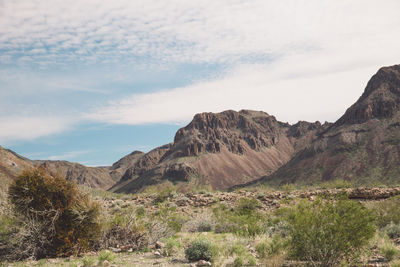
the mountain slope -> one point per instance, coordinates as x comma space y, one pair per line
221, 150
12, 164
363, 145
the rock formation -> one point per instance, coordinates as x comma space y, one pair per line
363, 145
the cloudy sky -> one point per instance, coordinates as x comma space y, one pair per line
90, 81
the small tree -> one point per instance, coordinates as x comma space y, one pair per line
325, 232
56, 218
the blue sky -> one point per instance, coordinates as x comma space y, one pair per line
90, 81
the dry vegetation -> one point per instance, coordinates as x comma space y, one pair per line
169, 228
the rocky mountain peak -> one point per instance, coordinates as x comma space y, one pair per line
381, 98
208, 132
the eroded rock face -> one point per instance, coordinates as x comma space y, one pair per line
221, 150
208, 132
381, 98
363, 145
146, 162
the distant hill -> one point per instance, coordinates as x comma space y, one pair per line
12, 164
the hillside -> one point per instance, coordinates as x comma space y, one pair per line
227, 149
12, 164
221, 150
363, 145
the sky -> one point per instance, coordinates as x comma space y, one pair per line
91, 81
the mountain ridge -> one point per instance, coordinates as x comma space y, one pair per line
232, 148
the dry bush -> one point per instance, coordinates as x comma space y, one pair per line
53, 218
132, 229
201, 222
124, 229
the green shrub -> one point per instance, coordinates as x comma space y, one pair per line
242, 220
392, 230
388, 250
106, 255
162, 191
57, 219
170, 217
337, 184
200, 249
205, 226
172, 246
88, 261
238, 262
246, 206
270, 247
327, 232
395, 263
387, 211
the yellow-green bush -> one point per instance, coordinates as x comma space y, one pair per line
55, 217
328, 231
242, 220
387, 211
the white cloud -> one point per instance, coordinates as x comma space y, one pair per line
70, 155
291, 90
296, 59
195, 31
29, 128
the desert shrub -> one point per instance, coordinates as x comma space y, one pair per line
337, 184
389, 250
243, 220
270, 247
238, 262
392, 230
200, 249
168, 215
140, 211
172, 245
246, 206
106, 255
88, 261
162, 191
125, 228
55, 218
201, 222
388, 211
325, 232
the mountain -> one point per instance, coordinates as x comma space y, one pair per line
221, 150
363, 145
12, 164
232, 148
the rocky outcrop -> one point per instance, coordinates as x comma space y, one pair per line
363, 145
381, 98
221, 150
209, 132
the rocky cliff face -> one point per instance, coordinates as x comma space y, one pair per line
221, 149
363, 145
237, 131
380, 100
